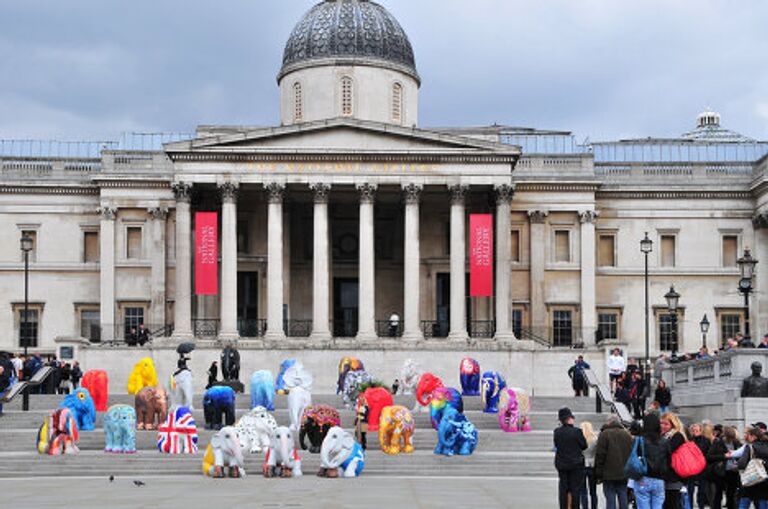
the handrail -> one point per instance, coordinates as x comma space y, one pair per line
37, 379
603, 395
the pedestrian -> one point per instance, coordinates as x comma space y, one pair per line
659, 366
589, 488
132, 338
76, 375
18, 365
649, 489
213, 375
614, 445
569, 459
578, 377
757, 447
52, 385
394, 324
674, 432
725, 468
361, 422
6, 376
663, 395
66, 375
632, 366
142, 335
637, 394
395, 386
698, 482
616, 366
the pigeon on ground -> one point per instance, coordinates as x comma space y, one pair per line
138, 483
111, 478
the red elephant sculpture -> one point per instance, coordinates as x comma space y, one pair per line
427, 385
376, 398
97, 383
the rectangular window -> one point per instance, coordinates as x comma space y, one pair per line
607, 326
134, 316
562, 246
90, 247
515, 245
730, 325
32, 234
730, 250
28, 327
669, 326
562, 328
667, 251
606, 245
133, 243
243, 241
90, 324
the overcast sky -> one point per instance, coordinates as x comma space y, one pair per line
605, 69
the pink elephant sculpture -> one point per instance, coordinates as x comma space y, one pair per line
514, 410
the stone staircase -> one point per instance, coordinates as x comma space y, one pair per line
498, 454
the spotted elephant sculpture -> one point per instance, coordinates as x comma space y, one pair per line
341, 452
120, 429
97, 383
492, 385
219, 407
58, 433
442, 398
262, 390
469, 374
315, 423
455, 434
514, 410
143, 375
83, 410
224, 452
396, 430
255, 429
151, 405
352, 383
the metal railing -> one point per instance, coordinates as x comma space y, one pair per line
116, 334
435, 328
251, 328
481, 328
385, 329
205, 327
559, 337
297, 328
344, 328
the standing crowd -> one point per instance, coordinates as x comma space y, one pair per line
64, 378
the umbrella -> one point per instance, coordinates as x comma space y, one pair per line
185, 348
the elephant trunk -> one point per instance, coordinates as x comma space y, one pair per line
286, 450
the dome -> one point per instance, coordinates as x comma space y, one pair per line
348, 32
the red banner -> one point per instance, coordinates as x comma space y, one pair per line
206, 253
480, 255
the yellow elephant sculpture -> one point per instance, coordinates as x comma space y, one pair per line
143, 375
396, 427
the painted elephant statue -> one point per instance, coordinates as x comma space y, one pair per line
492, 385
219, 407
282, 459
298, 399
298, 376
151, 407
97, 383
514, 409
230, 363
81, 405
396, 430
315, 423
181, 389
178, 433
263, 390
224, 452
352, 383
427, 384
375, 398
143, 375
346, 365
280, 387
58, 433
410, 374
120, 429
255, 429
456, 434
469, 374
341, 451
442, 398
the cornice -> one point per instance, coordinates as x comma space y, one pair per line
241, 157
557, 187
674, 195
151, 184
50, 189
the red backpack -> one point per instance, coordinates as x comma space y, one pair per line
688, 460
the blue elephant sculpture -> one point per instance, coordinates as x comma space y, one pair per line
120, 429
443, 397
469, 375
83, 409
492, 385
219, 407
456, 434
280, 387
262, 390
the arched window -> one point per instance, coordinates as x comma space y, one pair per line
397, 103
346, 96
298, 103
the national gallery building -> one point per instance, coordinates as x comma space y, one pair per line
350, 211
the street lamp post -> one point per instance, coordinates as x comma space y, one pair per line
747, 270
646, 246
704, 324
673, 298
26, 247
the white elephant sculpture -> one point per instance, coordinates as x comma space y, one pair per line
298, 399
181, 389
298, 376
255, 429
282, 459
341, 451
224, 451
410, 374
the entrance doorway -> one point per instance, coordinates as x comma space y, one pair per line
345, 306
248, 304
443, 299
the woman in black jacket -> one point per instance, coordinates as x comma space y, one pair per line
663, 396
757, 447
649, 490
723, 470
672, 429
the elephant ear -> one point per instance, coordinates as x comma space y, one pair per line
216, 441
347, 444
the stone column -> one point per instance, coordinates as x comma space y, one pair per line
157, 276
588, 311
320, 265
412, 261
458, 265
503, 257
182, 308
367, 266
275, 194
107, 273
538, 220
759, 308
228, 298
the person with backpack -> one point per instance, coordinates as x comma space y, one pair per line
756, 448
569, 459
656, 455
614, 445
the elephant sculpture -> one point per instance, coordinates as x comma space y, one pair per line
492, 385
81, 405
178, 433
151, 407
181, 386
410, 374
298, 399
280, 387
427, 384
469, 374
315, 423
224, 452
143, 375
282, 459
442, 398
375, 398
456, 434
230, 363
58, 433
297, 376
352, 383
97, 383
514, 408
120, 429
255, 429
341, 451
219, 407
347, 365
396, 433
262, 390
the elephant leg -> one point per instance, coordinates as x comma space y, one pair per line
230, 412
351, 470
407, 442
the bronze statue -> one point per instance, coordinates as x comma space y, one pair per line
755, 386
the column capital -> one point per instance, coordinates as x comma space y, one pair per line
412, 193
275, 192
367, 192
458, 193
182, 191
760, 220
158, 213
504, 193
228, 191
588, 216
321, 192
538, 216
107, 213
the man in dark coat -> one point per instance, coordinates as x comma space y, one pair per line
578, 377
614, 445
569, 458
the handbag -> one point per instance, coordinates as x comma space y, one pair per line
636, 466
688, 461
755, 472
